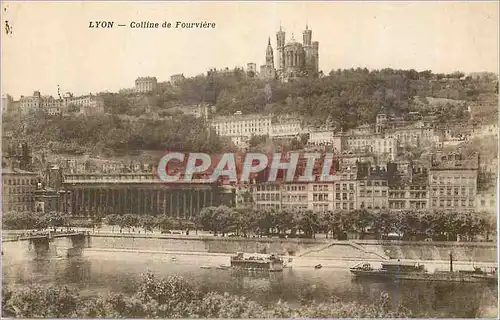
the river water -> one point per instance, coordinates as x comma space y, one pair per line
101, 272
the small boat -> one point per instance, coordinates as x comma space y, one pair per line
174, 258
318, 266
206, 267
222, 267
255, 262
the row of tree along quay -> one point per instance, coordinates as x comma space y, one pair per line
250, 222
175, 297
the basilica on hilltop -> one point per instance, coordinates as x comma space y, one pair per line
294, 59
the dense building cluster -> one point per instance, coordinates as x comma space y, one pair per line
65, 104
394, 163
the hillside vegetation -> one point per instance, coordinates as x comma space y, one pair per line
346, 98
111, 135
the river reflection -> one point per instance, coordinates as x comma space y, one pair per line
101, 272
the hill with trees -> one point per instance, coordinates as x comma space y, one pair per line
112, 135
350, 97
347, 98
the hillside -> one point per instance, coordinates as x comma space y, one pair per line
110, 135
348, 97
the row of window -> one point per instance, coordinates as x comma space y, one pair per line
268, 187
231, 132
20, 181
295, 198
374, 183
320, 196
18, 208
411, 188
402, 194
267, 197
376, 193
295, 188
12, 199
449, 203
18, 190
456, 179
323, 187
244, 124
344, 186
402, 204
345, 196
455, 191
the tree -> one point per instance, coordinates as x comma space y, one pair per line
309, 223
164, 222
97, 220
112, 220
147, 222
363, 220
224, 219
207, 219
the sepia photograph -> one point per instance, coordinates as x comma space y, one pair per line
238, 159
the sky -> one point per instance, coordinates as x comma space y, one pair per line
51, 43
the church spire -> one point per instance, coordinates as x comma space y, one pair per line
269, 41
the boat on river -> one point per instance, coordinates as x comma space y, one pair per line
416, 271
271, 263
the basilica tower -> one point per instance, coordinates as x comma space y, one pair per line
280, 47
269, 54
267, 70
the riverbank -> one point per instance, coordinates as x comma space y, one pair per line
216, 259
318, 249
311, 249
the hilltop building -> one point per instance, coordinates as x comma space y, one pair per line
177, 78
294, 59
145, 84
251, 69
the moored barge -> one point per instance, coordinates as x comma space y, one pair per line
271, 263
416, 271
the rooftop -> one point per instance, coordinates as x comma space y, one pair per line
16, 171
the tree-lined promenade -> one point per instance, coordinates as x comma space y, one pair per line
245, 222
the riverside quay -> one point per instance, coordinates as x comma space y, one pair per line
141, 193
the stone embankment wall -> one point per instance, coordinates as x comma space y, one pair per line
206, 244
462, 251
320, 248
